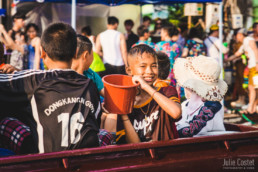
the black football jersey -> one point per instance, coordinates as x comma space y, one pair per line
64, 105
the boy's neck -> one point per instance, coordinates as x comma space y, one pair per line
142, 98
142, 38
59, 65
80, 69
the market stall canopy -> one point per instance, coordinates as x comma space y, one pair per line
121, 2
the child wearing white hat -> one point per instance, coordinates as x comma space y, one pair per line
202, 112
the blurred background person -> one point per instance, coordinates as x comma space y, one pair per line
238, 91
249, 48
213, 43
34, 60
156, 34
97, 64
111, 45
146, 21
194, 45
144, 35
130, 37
182, 35
255, 33
15, 33
171, 48
19, 47
86, 31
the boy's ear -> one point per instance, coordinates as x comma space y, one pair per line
85, 55
128, 70
43, 53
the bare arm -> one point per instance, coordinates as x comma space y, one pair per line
185, 52
130, 133
36, 45
236, 55
169, 106
123, 48
102, 92
98, 47
9, 41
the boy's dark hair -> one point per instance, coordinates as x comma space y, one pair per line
140, 49
195, 33
163, 65
83, 44
236, 31
112, 20
86, 30
146, 18
129, 22
32, 25
18, 15
171, 29
59, 42
141, 31
255, 24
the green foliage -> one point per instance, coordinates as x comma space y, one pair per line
176, 14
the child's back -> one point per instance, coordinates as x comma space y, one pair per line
65, 105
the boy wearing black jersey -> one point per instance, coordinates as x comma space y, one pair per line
65, 108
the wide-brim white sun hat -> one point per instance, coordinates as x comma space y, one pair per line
201, 75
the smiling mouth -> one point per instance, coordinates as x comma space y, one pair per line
148, 79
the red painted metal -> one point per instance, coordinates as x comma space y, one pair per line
188, 154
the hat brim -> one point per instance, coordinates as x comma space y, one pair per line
207, 90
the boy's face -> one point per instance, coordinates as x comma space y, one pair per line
163, 34
146, 35
145, 65
239, 37
255, 29
83, 61
128, 27
19, 22
32, 33
147, 23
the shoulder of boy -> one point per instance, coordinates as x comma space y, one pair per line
169, 91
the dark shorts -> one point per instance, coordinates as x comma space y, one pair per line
111, 69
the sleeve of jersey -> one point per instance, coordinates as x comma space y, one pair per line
206, 113
95, 99
171, 93
19, 87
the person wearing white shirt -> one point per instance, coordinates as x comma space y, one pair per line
213, 43
111, 46
250, 50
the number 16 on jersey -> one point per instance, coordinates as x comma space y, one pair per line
76, 125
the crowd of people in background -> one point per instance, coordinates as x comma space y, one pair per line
170, 63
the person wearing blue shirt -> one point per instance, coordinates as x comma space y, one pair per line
83, 61
95, 77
